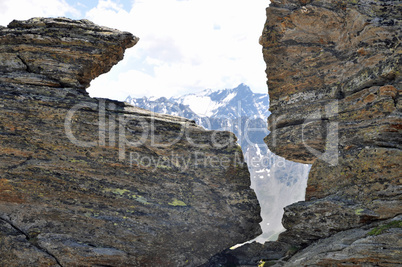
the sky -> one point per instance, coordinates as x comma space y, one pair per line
185, 46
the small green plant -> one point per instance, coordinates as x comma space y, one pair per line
382, 228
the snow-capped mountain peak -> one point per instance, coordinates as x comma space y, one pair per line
227, 103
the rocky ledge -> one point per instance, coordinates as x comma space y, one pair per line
334, 77
95, 182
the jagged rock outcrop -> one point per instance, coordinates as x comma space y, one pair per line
94, 182
59, 52
334, 78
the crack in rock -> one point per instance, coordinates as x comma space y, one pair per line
35, 244
28, 68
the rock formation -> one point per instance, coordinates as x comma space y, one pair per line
334, 78
94, 182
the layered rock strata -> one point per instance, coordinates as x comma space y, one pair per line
334, 78
94, 182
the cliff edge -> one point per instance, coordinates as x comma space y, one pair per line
334, 78
95, 182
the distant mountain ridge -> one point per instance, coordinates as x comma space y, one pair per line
227, 103
277, 182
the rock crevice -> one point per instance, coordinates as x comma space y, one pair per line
29, 241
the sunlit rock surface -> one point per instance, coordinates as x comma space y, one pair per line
334, 77
92, 182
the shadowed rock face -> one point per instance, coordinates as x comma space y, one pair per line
87, 182
334, 77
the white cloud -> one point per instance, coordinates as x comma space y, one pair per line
26, 9
109, 13
123, 85
185, 46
